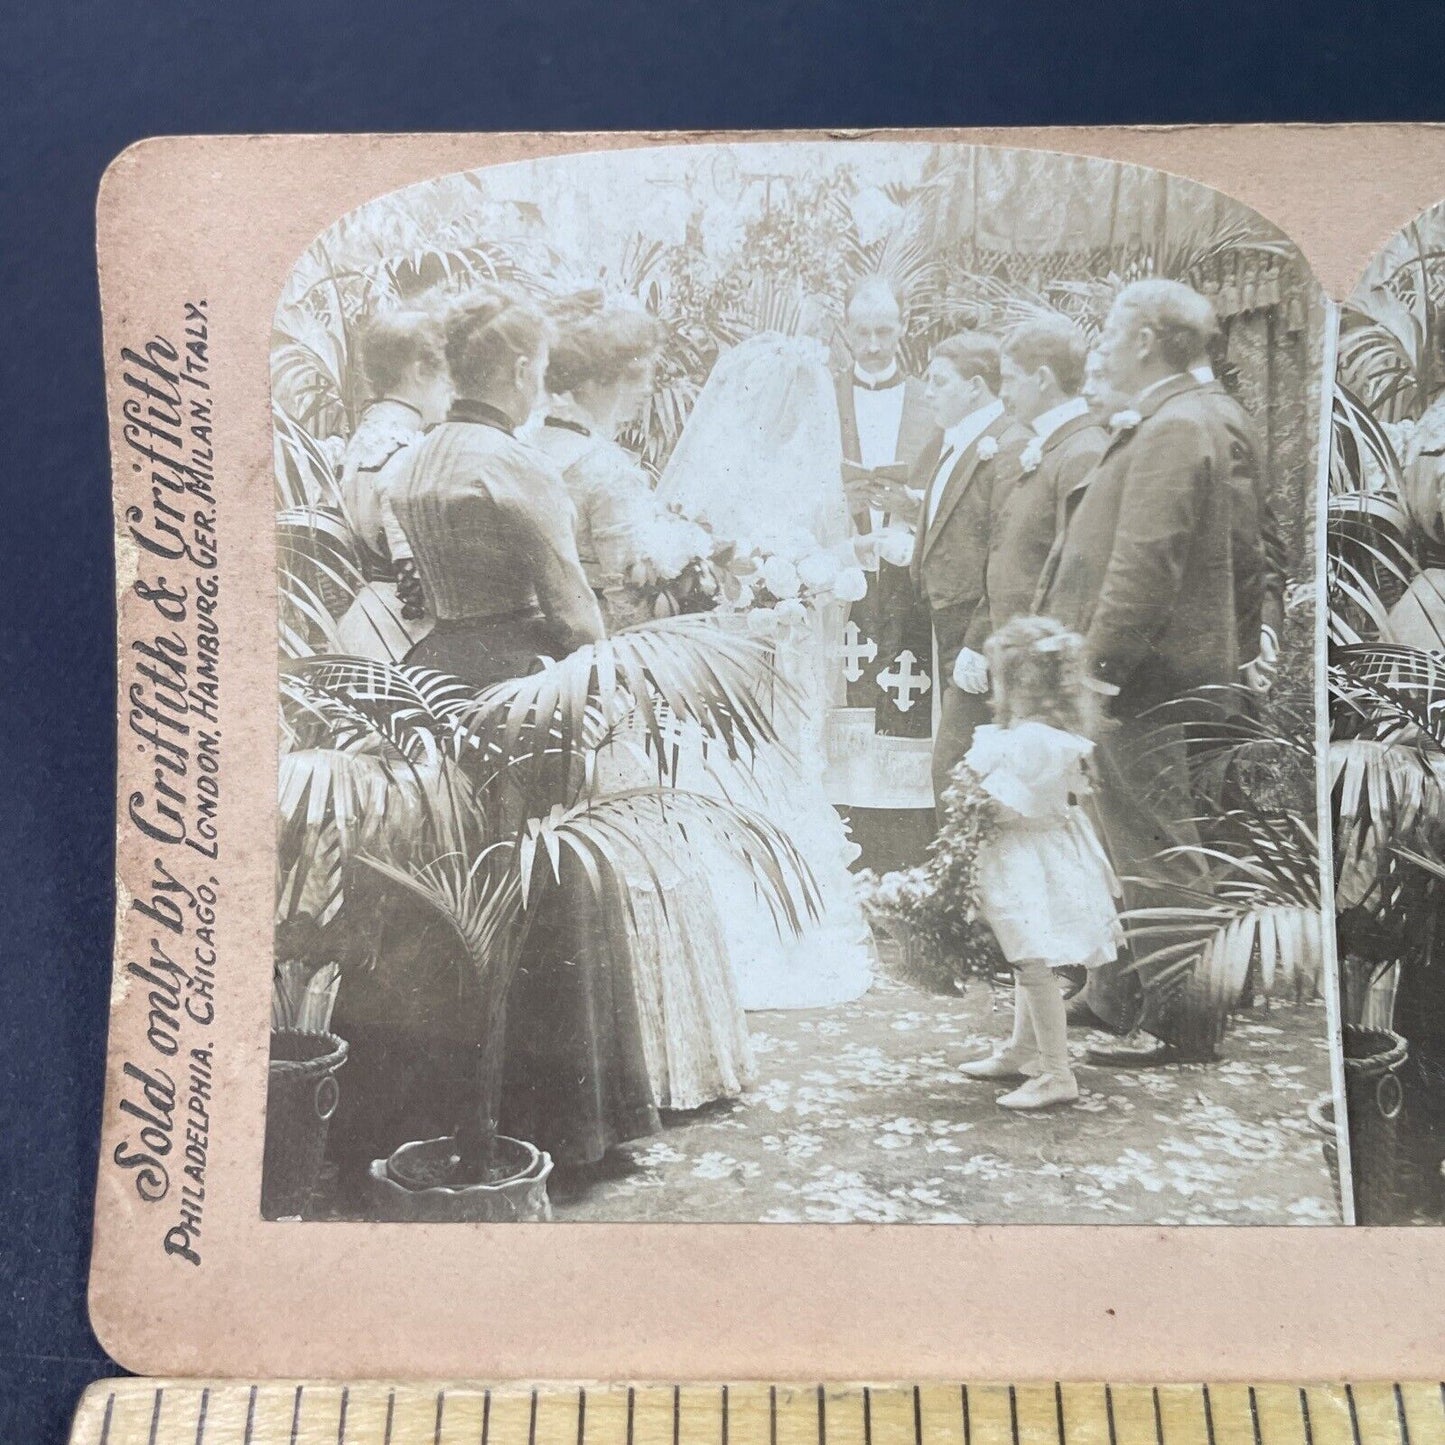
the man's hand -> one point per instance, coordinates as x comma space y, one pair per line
970, 672
901, 502
1260, 674
860, 492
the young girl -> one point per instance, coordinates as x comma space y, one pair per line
1045, 886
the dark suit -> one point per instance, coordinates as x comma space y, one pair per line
1031, 520
949, 569
1260, 560
1145, 571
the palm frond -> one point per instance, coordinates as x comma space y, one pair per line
1261, 910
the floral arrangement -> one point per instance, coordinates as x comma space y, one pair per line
932, 909
778, 578
673, 571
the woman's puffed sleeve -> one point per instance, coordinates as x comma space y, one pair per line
619, 503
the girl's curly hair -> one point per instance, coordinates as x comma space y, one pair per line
1038, 672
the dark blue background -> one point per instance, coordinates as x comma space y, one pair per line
79, 81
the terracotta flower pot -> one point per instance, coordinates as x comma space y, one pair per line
398, 1192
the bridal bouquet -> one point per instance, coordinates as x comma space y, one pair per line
673, 569
932, 909
780, 577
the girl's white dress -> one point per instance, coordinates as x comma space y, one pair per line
1045, 884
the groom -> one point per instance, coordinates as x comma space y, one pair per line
967, 476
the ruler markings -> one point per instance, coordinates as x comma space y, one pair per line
241, 1413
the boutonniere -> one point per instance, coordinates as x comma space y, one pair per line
1123, 421
988, 449
1032, 455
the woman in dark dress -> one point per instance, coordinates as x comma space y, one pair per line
491, 530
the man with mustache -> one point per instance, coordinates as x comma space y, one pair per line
1145, 571
878, 743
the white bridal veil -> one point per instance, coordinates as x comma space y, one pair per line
762, 451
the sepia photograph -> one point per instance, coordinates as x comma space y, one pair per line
800, 699
1387, 685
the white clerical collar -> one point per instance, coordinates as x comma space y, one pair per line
1048, 422
1155, 385
962, 435
1202, 374
875, 381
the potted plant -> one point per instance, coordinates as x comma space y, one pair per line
485, 799
1387, 755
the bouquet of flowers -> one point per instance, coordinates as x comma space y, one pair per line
673, 571
933, 909
778, 578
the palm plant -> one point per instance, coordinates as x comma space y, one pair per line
1387, 752
474, 805
1255, 912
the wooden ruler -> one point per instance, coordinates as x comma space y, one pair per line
229, 1412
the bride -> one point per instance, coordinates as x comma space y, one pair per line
760, 463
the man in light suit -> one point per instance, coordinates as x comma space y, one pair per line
1145, 572
878, 741
966, 477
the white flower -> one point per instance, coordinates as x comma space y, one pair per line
987, 449
780, 577
1125, 420
672, 544
792, 613
762, 621
850, 585
817, 570
1032, 455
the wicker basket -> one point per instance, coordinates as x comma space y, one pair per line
1374, 1099
301, 1097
